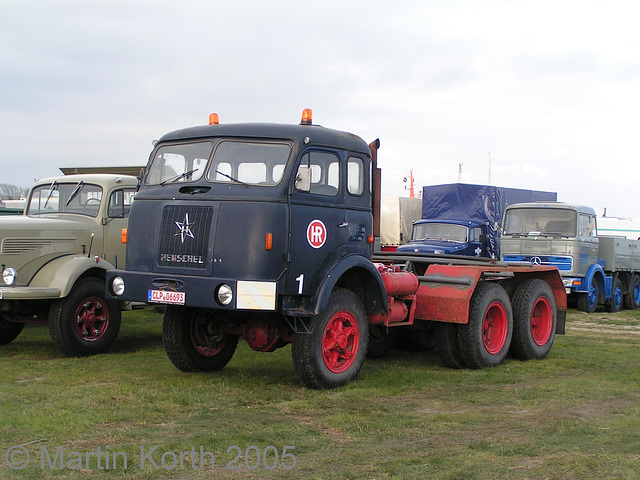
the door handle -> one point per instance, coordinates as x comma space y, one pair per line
343, 224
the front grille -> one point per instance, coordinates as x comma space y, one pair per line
21, 246
564, 264
184, 236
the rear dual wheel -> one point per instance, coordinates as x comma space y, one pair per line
632, 299
614, 304
534, 320
484, 341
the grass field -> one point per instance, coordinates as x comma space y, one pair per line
574, 415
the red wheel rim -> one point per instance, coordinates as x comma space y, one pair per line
494, 328
541, 321
340, 342
206, 339
92, 319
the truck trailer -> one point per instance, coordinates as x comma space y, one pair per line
266, 232
595, 269
465, 219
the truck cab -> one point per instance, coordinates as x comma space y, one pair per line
248, 216
54, 259
566, 236
448, 237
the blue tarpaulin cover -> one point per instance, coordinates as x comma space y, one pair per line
476, 203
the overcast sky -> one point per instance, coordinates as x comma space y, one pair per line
549, 91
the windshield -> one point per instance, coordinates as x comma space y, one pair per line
76, 197
234, 161
540, 221
440, 231
183, 162
249, 162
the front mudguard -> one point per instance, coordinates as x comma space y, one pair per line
63, 272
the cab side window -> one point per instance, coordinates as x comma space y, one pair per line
120, 203
587, 226
325, 172
355, 176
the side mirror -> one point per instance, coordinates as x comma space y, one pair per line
303, 179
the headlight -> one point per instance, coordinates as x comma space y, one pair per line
9, 275
224, 294
117, 286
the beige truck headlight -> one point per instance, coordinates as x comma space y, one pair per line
9, 276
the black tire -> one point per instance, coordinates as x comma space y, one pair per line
614, 304
195, 341
587, 302
342, 327
9, 331
381, 340
84, 322
448, 346
485, 339
632, 299
534, 320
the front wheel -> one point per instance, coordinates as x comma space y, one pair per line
485, 339
84, 322
195, 340
333, 353
587, 302
534, 320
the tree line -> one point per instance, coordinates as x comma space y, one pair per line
12, 192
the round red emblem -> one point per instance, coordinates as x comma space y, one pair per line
316, 233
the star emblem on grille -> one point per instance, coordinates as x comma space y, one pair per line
184, 228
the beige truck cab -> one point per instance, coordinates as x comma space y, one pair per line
54, 258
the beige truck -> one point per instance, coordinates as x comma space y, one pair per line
54, 258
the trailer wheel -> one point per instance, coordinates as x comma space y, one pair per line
632, 299
84, 322
333, 354
195, 341
485, 339
534, 320
615, 303
9, 331
587, 302
448, 345
381, 340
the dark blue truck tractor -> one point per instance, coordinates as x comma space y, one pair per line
266, 232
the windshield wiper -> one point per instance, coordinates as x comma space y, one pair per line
49, 193
231, 178
75, 192
179, 177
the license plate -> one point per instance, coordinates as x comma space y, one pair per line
164, 296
